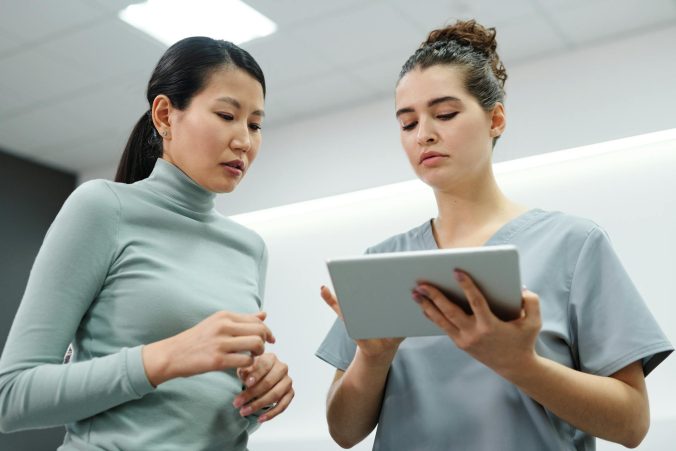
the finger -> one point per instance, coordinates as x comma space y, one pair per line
264, 385
263, 365
237, 329
253, 344
233, 360
279, 408
272, 396
432, 313
331, 300
475, 297
450, 310
531, 307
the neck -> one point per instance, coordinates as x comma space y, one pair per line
470, 214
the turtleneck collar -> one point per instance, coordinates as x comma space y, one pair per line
169, 181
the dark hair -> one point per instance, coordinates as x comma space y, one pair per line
471, 47
181, 73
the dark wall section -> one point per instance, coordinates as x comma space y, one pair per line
30, 197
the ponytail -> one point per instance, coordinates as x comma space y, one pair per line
141, 152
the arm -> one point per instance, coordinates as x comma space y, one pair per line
36, 389
614, 408
355, 396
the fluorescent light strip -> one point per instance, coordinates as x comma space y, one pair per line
169, 21
519, 164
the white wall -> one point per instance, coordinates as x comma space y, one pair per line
630, 192
615, 89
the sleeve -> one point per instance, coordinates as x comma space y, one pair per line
36, 389
610, 324
262, 273
337, 349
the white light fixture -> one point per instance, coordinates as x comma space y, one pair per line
169, 21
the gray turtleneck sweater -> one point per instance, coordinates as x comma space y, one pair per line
122, 266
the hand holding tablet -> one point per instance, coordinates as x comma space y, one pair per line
374, 290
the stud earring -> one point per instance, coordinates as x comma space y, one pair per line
164, 133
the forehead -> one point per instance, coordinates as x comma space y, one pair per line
421, 85
235, 83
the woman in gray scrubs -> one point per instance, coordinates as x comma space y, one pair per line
570, 369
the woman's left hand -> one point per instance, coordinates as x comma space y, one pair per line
504, 346
267, 384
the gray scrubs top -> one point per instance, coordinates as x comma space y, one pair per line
437, 397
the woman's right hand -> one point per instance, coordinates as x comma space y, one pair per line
372, 348
221, 341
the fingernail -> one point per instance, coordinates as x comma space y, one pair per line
245, 411
238, 402
250, 381
262, 419
459, 276
416, 297
422, 291
524, 288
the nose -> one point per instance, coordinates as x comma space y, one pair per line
241, 139
426, 133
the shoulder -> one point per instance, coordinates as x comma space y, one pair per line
567, 226
244, 234
413, 239
95, 198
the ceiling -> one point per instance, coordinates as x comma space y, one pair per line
73, 76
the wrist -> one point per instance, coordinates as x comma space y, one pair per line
523, 369
156, 362
382, 360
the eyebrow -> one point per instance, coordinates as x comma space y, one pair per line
236, 104
431, 103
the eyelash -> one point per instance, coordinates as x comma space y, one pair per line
253, 126
443, 117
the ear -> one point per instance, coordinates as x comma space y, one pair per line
498, 120
161, 111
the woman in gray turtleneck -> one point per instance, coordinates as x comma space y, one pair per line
158, 293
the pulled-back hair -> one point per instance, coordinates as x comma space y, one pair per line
182, 72
470, 47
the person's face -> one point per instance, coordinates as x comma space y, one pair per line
446, 134
216, 138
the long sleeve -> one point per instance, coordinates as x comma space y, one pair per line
36, 388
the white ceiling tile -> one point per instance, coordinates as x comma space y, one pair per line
360, 34
32, 20
283, 62
44, 77
322, 94
289, 12
109, 49
604, 18
88, 152
113, 5
438, 13
526, 37
380, 75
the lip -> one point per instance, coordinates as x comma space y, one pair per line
431, 158
235, 167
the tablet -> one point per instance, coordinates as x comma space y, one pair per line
374, 290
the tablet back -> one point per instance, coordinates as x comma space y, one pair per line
374, 290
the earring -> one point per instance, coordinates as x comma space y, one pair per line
164, 133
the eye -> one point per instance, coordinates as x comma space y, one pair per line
409, 126
447, 117
255, 127
225, 116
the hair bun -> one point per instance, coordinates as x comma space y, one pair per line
472, 34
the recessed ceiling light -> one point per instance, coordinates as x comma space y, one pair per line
169, 21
